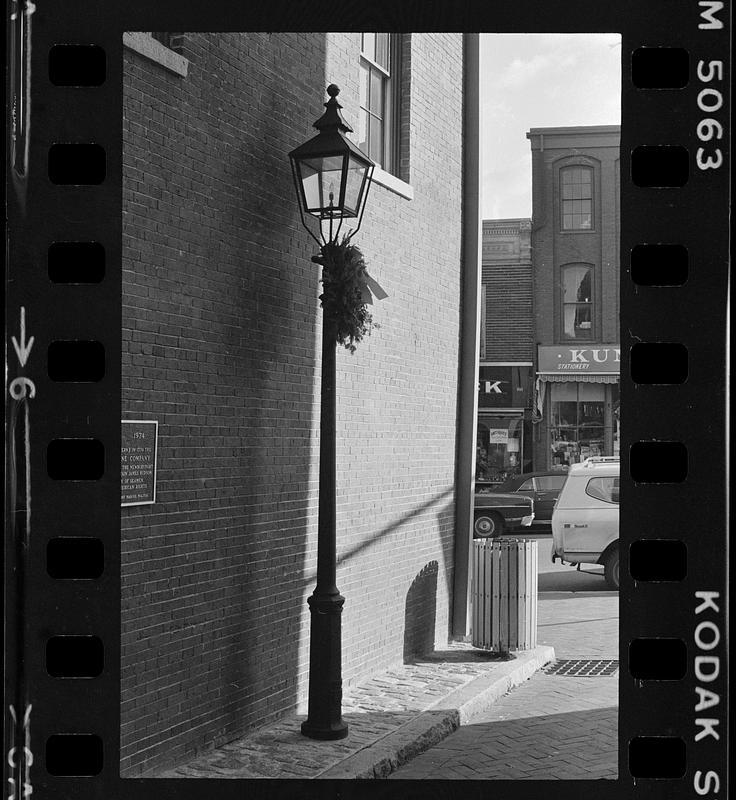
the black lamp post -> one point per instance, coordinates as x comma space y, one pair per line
332, 177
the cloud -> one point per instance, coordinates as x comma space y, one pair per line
533, 80
521, 71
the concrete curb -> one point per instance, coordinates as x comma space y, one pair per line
380, 759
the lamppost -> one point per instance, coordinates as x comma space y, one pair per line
332, 177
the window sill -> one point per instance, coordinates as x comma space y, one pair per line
148, 47
389, 181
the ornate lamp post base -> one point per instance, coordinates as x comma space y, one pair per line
324, 720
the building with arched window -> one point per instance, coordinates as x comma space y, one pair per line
575, 260
548, 389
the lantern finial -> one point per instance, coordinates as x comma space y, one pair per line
332, 118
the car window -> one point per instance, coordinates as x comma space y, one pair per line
605, 489
550, 483
526, 486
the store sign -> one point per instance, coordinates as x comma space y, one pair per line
600, 359
138, 453
503, 387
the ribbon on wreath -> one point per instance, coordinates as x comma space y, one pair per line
371, 287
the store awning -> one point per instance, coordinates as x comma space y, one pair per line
578, 378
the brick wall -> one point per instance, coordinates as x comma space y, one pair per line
221, 346
553, 149
508, 282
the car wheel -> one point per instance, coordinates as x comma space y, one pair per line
487, 526
610, 568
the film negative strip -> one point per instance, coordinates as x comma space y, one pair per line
157, 571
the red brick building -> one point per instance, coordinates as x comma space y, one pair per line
221, 348
551, 288
575, 242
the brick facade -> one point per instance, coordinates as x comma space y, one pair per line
554, 248
508, 287
522, 276
552, 150
221, 346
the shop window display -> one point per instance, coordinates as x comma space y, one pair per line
498, 451
578, 422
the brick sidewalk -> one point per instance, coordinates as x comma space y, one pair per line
553, 726
534, 730
391, 718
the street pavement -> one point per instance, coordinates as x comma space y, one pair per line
553, 726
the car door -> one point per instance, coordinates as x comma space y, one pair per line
594, 520
547, 489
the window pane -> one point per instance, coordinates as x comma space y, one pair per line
605, 489
576, 198
564, 413
364, 78
591, 392
369, 45
382, 50
363, 130
576, 283
375, 139
527, 486
376, 93
583, 324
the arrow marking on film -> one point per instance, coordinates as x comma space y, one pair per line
22, 350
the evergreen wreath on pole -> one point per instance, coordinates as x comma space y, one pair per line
345, 291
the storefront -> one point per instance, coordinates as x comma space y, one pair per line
577, 398
502, 449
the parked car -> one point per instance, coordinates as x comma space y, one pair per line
543, 487
496, 513
585, 518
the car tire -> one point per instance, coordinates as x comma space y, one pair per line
488, 526
610, 568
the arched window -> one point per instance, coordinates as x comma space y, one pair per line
576, 198
577, 301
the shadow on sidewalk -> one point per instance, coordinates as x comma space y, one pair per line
476, 656
574, 745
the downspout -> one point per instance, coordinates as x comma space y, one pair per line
469, 336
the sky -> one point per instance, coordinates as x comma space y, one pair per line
539, 81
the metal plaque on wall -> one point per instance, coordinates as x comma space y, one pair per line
138, 453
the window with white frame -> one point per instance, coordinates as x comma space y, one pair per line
378, 125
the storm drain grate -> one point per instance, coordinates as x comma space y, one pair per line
582, 668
